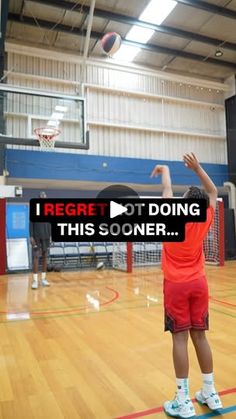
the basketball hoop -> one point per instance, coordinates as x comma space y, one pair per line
47, 137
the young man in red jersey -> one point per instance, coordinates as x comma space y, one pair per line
186, 296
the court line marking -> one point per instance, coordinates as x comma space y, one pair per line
217, 413
53, 316
76, 308
222, 302
205, 415
38, 313
223, 312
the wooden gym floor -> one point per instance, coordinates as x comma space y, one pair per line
92, 345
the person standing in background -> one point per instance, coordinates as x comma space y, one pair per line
40, 237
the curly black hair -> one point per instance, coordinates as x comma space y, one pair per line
196, 193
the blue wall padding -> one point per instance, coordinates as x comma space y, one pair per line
67, 166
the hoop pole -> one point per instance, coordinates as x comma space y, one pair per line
3, 251
221, 234
129, 257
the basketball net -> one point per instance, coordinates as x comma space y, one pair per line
47, 137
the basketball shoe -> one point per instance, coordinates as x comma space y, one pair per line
212, 400
179, 409
34, 285
45, 283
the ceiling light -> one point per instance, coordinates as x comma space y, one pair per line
218, 53
138, 34
157, 11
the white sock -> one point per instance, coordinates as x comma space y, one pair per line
43, 275
182, 388
35, 277
208, 384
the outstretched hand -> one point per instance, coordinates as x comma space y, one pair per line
165, 179
191, 161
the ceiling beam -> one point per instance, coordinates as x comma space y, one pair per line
4, 7
98, 35
198, 4
77, 7
208, 7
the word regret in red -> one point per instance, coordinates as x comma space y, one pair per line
71, 209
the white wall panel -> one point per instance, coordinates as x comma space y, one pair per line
114, 108
47, 85
152, 145
198, 116
120, 79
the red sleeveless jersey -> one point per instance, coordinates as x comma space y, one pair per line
182, 262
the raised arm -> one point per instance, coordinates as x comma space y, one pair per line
166, 180
192, 163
